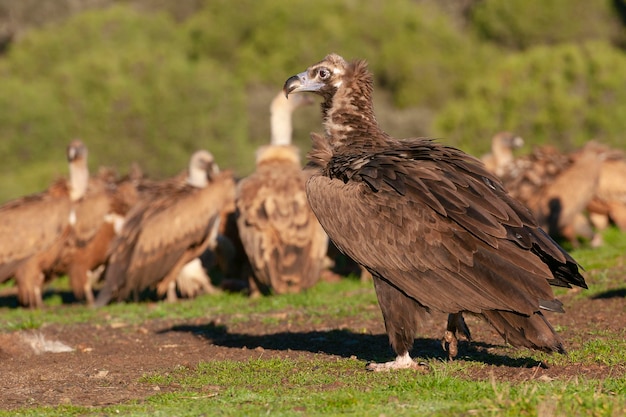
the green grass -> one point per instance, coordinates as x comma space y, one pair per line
311, 386
336, 299
611, 254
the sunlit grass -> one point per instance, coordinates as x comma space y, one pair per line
340, 299
611, 254
319, 385
304, 387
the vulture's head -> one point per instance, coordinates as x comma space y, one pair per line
76, 151
344, 86
202, 167
507, 140
79, 172
323, 78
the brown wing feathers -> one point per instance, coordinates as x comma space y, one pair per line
445, 234
280, 234
171, 225
81, 219
433, 226
33, 243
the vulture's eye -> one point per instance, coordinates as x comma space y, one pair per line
323, 73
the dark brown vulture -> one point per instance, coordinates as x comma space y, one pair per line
170, 226
34, 229
285, 243
501, 155
437, 230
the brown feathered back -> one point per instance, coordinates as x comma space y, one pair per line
35, 229
609, 199
557, 187
433, 226
172, 224
96, 221
283, 240
281, 236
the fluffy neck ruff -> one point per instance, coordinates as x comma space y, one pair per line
348, 111
283, 153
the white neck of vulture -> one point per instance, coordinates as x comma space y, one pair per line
197, 177
79, 178
201, 168
281, 111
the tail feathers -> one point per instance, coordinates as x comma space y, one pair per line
525, 331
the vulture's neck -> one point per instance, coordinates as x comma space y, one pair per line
349, 119
280, 121
197, 177
79, 179
502, 153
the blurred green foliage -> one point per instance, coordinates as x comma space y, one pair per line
122, 83
414, 49
565, 95
522, 23
145, 82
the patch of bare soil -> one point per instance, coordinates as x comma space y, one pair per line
106, 362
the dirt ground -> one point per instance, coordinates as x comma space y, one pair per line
106, 362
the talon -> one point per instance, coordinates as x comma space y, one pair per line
450, 344
401, 362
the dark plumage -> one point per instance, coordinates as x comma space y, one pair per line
171, 225
437, 231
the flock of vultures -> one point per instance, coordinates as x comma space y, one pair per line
130, 237
436, 229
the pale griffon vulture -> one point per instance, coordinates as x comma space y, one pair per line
35, 229
171, 225
285, 243
501, 155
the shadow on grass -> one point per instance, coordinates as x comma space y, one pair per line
344, 343
614, 293
8, 298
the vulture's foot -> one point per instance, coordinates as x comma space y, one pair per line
401, 362
449, 342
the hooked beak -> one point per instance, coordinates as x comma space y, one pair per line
300, 83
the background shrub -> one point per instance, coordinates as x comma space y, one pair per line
151, 81
520, 24
565, 95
